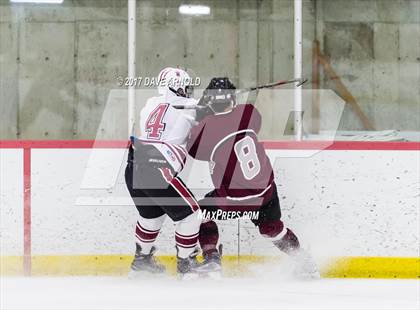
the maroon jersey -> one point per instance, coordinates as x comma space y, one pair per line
239, 166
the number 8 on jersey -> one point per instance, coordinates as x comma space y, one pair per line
246, 153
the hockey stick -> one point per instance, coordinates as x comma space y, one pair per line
299, 82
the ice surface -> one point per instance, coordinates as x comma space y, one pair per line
229, 293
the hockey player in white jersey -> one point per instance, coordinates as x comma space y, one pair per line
154, 161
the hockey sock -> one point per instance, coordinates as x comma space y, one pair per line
208, 237
283, 238
186, 235
147, 231
288, 243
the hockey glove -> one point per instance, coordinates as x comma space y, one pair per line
204, 111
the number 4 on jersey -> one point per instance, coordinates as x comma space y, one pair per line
154, 124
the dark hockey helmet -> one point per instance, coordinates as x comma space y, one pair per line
220, 94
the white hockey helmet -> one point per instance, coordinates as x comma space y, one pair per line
175, 81
161, 80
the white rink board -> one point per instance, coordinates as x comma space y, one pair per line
11, 202
343, 203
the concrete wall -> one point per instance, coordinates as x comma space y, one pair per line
374, 46
58, 63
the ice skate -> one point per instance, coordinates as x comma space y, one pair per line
145, 264
305, 266
212, 265
187, 268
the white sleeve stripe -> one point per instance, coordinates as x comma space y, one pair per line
228, 137
249, 197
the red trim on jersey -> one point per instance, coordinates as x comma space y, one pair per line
180, 156
185, 193
167, 175
181, 150
181, 189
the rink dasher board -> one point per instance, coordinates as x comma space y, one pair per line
362, 197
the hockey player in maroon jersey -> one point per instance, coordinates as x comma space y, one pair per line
242, 175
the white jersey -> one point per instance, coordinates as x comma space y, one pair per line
167, 128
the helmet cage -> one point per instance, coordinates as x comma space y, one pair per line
219, 100
220, 94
